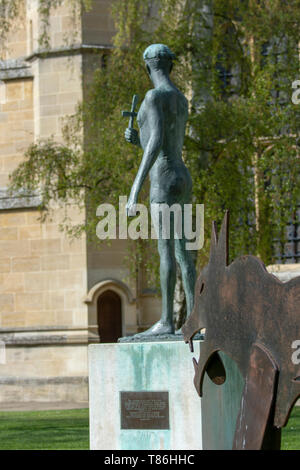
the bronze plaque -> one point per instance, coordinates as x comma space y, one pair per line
144, 410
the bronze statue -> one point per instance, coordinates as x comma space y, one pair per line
162, 120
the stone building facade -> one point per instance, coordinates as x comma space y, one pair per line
55, 294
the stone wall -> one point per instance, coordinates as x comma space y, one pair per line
43, 274
16, 43
97, 25
16, 124
47, 315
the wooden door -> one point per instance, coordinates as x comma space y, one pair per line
109, 317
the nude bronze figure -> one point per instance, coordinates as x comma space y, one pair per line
162, 120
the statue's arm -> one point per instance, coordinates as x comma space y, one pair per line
132, 136
153, 109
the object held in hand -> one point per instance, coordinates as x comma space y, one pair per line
131, 114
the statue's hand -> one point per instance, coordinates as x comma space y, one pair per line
132, 136
131, 206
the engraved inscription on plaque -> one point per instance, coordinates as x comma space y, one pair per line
144, 410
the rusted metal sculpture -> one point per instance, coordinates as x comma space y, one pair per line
254, 318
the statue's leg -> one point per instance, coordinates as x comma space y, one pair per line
166, 249
167, 278
185, 260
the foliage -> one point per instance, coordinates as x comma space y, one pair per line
236, 62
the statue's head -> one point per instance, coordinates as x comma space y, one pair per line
159, 57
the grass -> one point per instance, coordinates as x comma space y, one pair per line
69, 429
291, 433
44, 430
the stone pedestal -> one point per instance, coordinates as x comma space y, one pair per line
139, 367
220, 406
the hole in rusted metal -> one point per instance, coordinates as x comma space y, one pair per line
216, 370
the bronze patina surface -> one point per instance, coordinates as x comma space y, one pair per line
162, 119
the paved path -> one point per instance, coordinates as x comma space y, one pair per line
38, 406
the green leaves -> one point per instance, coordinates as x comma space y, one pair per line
236, 62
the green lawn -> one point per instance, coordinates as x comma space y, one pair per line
41, 430
69, 429
291, 434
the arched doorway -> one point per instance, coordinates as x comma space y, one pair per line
109, 313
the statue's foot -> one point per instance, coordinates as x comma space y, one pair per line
178, 332
158, 329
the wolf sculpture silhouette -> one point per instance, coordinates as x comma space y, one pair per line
254, 318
